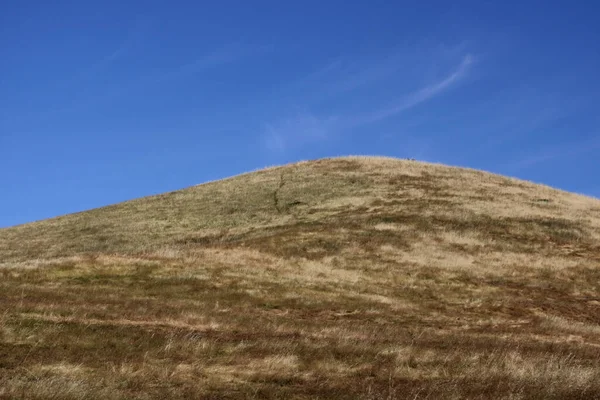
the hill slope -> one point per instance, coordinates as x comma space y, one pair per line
338, 278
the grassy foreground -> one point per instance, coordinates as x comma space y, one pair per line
349, 278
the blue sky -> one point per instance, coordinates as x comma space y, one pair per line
101, 102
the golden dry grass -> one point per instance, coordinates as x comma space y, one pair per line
344, 278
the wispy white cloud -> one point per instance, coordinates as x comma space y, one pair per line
324, 71
305, 128
340, 76
298, 130
219, 57
334, 78
73, 83
136, 34
353, 77
422, 95
225, 55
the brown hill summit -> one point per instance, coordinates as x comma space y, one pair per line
340, 278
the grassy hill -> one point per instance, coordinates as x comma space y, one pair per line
343, 278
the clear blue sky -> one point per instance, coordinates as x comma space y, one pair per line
102, 102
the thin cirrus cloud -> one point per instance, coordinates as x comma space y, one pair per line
305, 128
420, 96
361, 77
208, 61
136, 35
340, 76
298, 130
222, 56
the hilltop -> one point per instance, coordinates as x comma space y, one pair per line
351, 277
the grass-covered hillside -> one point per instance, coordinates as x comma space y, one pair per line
347, 278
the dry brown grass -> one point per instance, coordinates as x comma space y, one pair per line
349, 278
